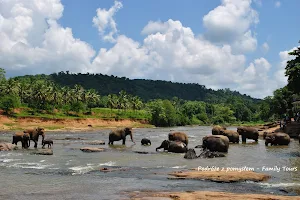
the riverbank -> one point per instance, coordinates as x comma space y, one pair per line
79, 124
87, 124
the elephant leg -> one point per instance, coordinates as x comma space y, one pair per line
243, 139
124, 141
35, 144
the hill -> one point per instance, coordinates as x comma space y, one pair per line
145, 89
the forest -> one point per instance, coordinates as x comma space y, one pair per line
162, 103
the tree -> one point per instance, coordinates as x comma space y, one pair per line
293, 71
8, 103
2, 76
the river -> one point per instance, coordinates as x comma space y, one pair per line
72, 174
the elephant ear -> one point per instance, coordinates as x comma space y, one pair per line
273, 138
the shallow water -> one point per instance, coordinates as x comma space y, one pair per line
72, 174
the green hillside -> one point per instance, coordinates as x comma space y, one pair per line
145, 89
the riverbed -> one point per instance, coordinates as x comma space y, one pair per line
72, 174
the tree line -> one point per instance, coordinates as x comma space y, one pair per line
41, 93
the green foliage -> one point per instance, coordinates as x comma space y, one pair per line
9, 103
64, 94
163, 113
78, 107
2, 76
222, 114
145, 89
293, 71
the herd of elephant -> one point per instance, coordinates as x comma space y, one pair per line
177, 141
217, 142
31, 134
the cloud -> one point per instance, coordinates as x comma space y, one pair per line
279, 75
277, 4
265, 47
105, 22
171, 52
230, 23
33, 42
255, 79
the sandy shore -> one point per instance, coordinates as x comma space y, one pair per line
204, 195
220, 175
268, 130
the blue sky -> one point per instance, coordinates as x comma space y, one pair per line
236, 44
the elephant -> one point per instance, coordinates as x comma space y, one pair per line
23, 137
145, 141
266, 134
179, 136
248, 132
34, 134
173, 146
210, 154
49, 142
120, 134
218, 143
233, 136
278, 139
216, 129
190, 154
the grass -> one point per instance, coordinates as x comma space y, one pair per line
98, 113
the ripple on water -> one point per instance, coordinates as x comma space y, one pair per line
110, 163
81, 169
29, 165
7, 160
275, 185
179, 167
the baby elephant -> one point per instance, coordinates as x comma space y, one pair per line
49, 142
145, 141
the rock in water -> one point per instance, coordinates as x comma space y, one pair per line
190, 154
210, 154
91, 149
96, 142
42, 152
5, 146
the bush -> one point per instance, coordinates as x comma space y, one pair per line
78, 107
9, 103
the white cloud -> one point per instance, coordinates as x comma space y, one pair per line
277, 4
255, 79
265, 47
105, 22
230, 23
171, 53
33, 42
279, 75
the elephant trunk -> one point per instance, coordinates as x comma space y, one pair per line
131, 137
43, 137
267, 141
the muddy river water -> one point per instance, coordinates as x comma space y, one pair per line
72, 174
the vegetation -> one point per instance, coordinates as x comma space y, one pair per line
61, 96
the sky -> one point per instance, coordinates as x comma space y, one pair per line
238, 44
